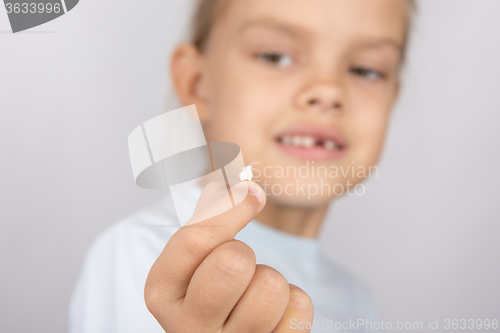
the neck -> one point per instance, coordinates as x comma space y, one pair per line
304, 222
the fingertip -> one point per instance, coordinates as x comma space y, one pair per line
257, 191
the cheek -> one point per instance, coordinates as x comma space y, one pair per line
242, 83
369, 123
243, 109
238, 117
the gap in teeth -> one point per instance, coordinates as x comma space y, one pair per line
307, 141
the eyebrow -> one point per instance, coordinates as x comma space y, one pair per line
280, 26
381, 42
301, 32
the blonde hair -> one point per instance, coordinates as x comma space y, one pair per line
207, 11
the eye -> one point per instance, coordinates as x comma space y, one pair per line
276, 59
368, 73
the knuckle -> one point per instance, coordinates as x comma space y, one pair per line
154, 300
200, 240
235, 259
271, 281
300, 299
205, 238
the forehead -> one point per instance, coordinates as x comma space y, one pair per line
320, 19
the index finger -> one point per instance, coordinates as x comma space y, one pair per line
191, 244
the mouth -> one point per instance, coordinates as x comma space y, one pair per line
312, 142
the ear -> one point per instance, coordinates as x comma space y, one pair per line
187, 70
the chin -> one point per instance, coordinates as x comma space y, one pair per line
300, 201
293, 192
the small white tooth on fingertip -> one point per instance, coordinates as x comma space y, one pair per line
246, 173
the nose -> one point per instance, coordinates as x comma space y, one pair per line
320, 97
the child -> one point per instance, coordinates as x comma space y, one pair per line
299, 85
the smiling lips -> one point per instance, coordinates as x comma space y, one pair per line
311, 142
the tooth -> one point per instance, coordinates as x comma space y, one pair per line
296, 141
308, 141
286, 140
329, 144
246, 173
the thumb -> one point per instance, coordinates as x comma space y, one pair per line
244, 200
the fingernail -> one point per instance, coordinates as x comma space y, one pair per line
256, 190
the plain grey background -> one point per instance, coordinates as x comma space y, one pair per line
425, 236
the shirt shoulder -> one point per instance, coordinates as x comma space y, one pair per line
150, 227
108, 296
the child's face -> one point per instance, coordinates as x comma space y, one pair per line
320, 74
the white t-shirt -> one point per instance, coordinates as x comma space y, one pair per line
109, 295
